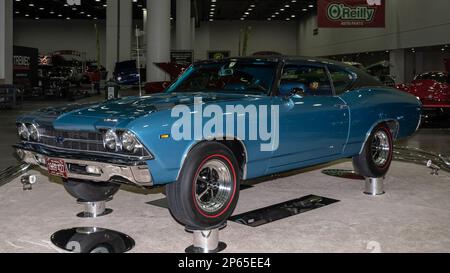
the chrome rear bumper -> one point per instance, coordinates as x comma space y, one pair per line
138, 174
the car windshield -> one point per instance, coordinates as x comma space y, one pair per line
249, 77
439, 77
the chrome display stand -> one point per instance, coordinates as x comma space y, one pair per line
206, 241
94, 209
374, 186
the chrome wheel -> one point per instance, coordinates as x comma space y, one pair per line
381, 148
213, 186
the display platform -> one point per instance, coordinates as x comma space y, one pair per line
411, 217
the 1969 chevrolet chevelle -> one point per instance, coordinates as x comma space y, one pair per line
220, 123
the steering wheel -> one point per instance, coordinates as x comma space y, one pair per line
256, 84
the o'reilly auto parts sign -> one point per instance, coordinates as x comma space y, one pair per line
351, 13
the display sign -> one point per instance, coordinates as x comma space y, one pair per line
218, 55
25, 64
351, 13
185, 57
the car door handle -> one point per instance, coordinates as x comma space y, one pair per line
341, 106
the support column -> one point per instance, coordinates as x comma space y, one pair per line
397, 60
144, 25
183, 31
6, 42
125, 29
112, 35
158, 38
193, 22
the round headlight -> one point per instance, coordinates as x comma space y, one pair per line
129, 141
34, 132
110, 140
23, 132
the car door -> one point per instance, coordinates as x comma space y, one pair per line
314, 123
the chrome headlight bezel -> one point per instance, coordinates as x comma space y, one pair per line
129, 142
111, 141
34, 134
23, 132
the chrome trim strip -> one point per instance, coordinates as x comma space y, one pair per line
123, 156
139, 175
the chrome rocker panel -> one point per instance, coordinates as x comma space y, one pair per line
112, 170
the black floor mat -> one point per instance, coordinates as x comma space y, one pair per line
280, 211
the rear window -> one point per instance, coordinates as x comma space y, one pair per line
342, 79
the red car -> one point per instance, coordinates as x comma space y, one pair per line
433, 89
173, 69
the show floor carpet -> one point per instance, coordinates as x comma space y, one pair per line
412, 217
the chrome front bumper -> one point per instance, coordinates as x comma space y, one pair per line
108, 172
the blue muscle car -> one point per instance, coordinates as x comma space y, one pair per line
315, 111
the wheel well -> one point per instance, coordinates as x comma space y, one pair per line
237, 148
394, 127
239, 151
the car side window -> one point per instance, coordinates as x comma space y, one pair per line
342, 80
307, 80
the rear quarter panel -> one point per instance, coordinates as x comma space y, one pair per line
372, 106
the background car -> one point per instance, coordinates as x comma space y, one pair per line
433, 90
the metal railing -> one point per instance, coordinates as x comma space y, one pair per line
8, 174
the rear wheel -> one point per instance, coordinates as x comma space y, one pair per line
207, 191
376, 158
87, 191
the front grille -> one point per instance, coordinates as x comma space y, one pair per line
79, 141
74, 140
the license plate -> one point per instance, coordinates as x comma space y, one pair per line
57, 167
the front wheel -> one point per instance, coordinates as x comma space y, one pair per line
207, 191
376, 158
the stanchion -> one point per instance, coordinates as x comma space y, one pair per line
374, 186
206, 241
94, 209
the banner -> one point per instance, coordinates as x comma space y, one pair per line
25, 65
184, 57
351, 13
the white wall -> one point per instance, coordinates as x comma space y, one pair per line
409, 23
264, 36
53, 35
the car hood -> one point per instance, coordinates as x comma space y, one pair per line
118, 113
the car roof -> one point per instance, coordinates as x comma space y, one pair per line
362, 77
276, 58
